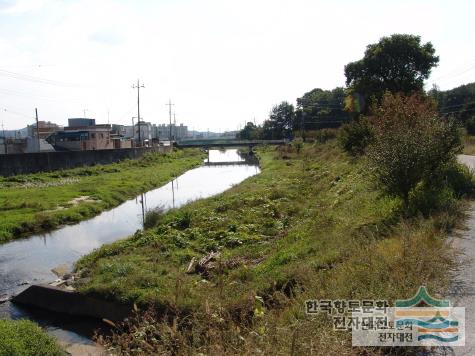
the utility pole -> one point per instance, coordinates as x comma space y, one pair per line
133, 129
37, 130
170, 116
174, 126
138, 86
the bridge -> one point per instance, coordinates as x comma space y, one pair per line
223, 143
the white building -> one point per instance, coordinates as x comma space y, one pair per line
145, 133
178, 132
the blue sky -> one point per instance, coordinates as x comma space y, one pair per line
221, 62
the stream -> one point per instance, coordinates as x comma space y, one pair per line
29, 261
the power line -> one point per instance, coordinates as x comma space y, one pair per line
18, 113
29, 78
457, 111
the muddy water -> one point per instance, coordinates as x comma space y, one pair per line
29, 261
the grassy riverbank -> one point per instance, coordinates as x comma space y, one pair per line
23, 337
40, 202
310, 226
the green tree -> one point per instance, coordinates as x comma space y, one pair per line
280, 123
356, 135
321, 109
249, 132
398, 64
412, 145
458, 103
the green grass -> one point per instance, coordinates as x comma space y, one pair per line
310, 226
25, 338
41, 202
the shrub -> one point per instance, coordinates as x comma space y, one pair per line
153, 217
460, 179
355, 136
23, 337
426, 198
325, 135
412, 145
183, 220
470, 125
297, 145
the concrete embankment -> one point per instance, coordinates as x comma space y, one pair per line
25, 163
64, 301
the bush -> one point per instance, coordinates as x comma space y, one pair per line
411, 146
460, 179
426, 198
355, 136
153, 217
23, 337
470, 125
183, 220
297, 145
324, 135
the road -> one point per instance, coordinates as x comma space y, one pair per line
462, 291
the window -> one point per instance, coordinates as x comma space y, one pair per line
93, 135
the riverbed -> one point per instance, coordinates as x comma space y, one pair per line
30, 260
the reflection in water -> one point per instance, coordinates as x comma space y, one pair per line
29, 261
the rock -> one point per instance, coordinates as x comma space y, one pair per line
62, 270
191, 266
207, 263
4, 299
57, 283
81, 349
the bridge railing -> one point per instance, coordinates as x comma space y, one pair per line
220, 142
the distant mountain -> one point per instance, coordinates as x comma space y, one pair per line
21, 133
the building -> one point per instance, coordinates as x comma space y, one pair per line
177, 132
145, 133
81, 138
81, 122
119, 130
119, 136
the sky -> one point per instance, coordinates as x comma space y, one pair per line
221, 62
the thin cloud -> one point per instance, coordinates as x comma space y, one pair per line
110, 38
16, 7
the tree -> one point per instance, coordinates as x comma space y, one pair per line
398, 64
249, 132
458, 103
280, 123
411, 144
321, 109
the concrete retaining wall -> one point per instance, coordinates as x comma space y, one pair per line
13, 164
59, 300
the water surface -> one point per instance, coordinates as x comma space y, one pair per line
29, 261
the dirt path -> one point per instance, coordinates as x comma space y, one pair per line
462, 291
